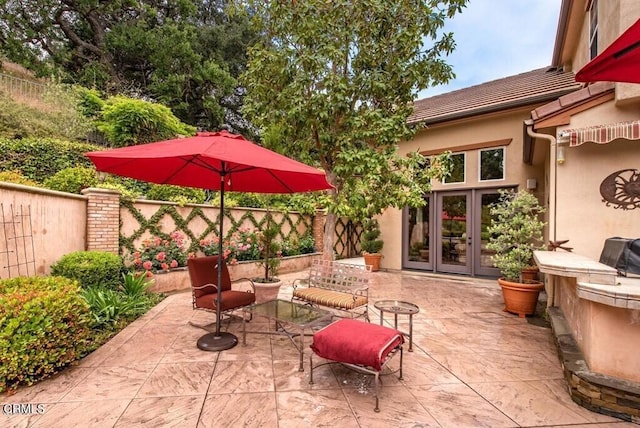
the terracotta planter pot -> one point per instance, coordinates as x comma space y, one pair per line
520, 298
373, 260
530, 274
266, 291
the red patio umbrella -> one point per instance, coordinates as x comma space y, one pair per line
216, 161
620, 62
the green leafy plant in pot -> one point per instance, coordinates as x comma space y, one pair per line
268, 286
515, 233
371, 244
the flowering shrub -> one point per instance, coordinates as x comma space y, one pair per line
157, 254
242, 245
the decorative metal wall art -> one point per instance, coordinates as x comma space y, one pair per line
622, 189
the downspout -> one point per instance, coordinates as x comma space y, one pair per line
553, 190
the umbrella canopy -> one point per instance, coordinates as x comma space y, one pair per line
620, 62
201, 161
217, 161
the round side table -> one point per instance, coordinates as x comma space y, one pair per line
398, 307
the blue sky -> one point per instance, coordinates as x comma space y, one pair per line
499, 38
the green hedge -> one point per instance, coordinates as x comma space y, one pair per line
44, 325
91, 268
40, 158
72, 180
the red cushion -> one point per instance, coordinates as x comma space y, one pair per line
356, 342
230, 300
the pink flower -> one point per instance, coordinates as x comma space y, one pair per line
147, 265
161, 256
137, 261
174, 264
136, 255
164, 266
148, 274
192, 255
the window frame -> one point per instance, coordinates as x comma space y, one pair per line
593, 29
504, 164
464, 170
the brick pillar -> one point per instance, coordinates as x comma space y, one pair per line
318, 228
103, 219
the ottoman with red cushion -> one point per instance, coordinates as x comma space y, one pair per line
367, 347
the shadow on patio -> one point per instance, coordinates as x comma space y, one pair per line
473, 365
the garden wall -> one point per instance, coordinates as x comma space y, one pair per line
38, 227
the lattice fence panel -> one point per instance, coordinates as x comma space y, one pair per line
348, 237
17, 254
197, 223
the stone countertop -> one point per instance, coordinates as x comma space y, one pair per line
596, 281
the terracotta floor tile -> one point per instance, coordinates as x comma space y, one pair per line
250, 410
457, 405
102, 413
473, 365
110, 383
172, 379
178, 412
233, 377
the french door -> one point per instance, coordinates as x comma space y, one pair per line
449, 234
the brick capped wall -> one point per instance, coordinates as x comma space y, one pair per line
318, 228
103, 219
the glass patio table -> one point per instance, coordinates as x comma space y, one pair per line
288, 316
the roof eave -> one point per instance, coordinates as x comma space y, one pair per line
495, 108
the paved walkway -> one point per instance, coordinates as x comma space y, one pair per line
473, 366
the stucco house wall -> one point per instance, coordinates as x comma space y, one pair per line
452, 136
580, 206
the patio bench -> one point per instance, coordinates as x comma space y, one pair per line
334, 285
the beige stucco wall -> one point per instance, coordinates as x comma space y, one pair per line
581, 216
606, 335
58, 227
448, 137
614, 17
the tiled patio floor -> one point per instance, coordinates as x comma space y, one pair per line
473, 365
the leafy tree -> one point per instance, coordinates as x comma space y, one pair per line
333, 82
127, 121
183, 53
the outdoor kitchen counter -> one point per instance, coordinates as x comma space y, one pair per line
596, 282
601, 312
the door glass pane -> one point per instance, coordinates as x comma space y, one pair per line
418, 230
485, 255
454, 230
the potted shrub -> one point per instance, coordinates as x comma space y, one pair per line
268, 286
371, 244
515, 232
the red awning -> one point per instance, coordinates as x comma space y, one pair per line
620, 62
603, 134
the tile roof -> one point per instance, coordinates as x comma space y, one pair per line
541, 85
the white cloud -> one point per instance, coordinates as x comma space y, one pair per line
499, 38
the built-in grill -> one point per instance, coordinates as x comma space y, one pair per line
622, 254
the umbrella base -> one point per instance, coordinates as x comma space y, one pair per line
211, 342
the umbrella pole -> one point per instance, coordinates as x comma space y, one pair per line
219, 341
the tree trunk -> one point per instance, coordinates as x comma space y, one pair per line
329, 236
330, 220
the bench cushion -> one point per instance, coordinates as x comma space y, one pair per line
331, 298
356, 342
